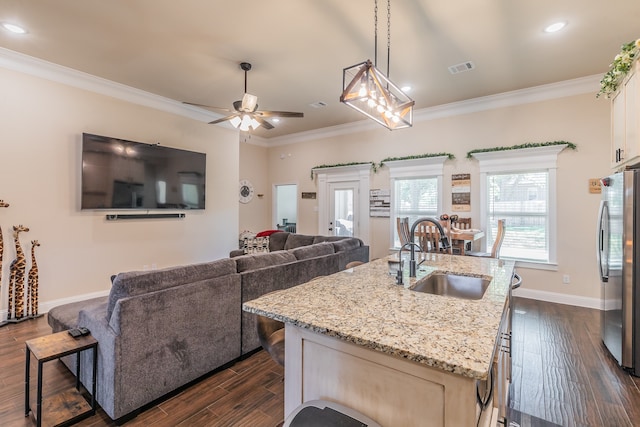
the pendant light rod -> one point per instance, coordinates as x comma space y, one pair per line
388, 35
368, 90
375, 33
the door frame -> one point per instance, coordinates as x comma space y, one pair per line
360, 173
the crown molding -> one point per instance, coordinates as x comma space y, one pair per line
579, 86
253, 140
47, 70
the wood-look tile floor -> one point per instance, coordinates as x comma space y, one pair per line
561, 374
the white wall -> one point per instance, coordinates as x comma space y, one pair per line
580, 119
255, 216
40, 140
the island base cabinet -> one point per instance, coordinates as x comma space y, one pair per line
388, 389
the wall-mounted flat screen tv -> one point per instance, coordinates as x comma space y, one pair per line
121, 174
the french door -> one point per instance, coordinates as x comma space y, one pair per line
343, 208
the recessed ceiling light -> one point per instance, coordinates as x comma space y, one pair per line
275, 120
13, 28
555, 27
405, 88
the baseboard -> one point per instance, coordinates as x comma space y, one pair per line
558, 298
45, 306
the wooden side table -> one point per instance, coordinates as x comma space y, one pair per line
69, 406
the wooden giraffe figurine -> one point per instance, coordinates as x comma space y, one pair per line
32, 305
17, 269
3, 204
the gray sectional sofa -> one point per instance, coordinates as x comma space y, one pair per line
162, 329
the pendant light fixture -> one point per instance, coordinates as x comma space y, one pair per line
369, 91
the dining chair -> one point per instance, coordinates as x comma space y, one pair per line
403, 230
497, 243
428, 237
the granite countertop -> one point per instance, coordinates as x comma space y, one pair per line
364, 306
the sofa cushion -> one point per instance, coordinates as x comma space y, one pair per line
65, 316
256, 261
347, 244
277, 241
141, 282
257, 245
313, 251
320, 239
297, 240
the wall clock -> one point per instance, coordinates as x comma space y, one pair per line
246, 191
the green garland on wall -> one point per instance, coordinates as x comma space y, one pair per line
373, 165
417, 156
388, 159
520, 146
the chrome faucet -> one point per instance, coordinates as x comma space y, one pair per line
412, 233
399, 273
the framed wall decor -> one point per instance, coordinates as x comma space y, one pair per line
461, 192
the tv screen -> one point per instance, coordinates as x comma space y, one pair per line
121, 174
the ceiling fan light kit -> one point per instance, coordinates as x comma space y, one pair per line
366, 89
245, 114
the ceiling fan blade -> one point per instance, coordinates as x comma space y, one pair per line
279, 114
224, 119
207, 106
263, 122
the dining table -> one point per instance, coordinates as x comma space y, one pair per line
462, 239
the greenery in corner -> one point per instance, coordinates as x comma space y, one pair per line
373, 165
517, 147
418, 156
619, 68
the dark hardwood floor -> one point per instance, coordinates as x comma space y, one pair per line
561, 374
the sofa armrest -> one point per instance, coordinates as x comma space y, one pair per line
95, 320
236, 252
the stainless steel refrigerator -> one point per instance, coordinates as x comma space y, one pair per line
619, 265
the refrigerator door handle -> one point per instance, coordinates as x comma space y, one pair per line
603, 214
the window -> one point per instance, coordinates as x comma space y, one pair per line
414, 198
520, 187
416, 190
522, 200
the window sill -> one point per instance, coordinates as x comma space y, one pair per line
537, 265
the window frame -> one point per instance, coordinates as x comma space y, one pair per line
523, 160
428, 167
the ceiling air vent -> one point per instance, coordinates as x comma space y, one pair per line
462, 67
318, 104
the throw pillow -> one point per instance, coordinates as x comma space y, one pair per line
267, 233
256, 245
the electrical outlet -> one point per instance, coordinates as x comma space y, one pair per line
154, 266
566, 279
145, 267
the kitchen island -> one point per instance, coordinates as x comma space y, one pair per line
399, 356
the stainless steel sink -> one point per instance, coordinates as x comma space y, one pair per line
452, 285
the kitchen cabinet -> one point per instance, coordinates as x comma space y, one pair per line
625, 121
502, 368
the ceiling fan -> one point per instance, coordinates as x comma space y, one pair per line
245, 114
